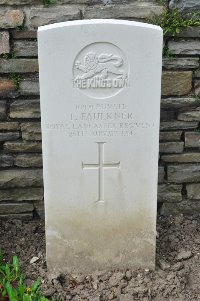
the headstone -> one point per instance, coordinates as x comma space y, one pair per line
100, 101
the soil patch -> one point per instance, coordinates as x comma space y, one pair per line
176, 278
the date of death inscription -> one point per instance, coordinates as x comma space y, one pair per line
99, 120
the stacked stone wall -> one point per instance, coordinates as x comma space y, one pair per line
21, 184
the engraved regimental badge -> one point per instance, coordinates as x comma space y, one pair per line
100, 70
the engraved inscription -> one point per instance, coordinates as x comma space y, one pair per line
100, 120
100, 70
100, 166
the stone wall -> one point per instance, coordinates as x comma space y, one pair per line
21, 193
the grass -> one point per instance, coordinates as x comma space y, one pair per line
13, 286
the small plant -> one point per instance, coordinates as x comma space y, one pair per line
171, 21
16, 78
8, 56
12, 284
162, 2
21, 27
167, 52
48, 2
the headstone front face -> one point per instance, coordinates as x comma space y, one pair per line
100, 103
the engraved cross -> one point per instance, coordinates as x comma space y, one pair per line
100, 166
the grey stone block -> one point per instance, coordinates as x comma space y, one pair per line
134, 9
193, 115
31, 131
178, 125
53, 14
192, 139
4, 42
22, 147
8, 136
3, 109
14, 178
183, 173
185, 6
171, 147
170, 136
169, 193
29, 87
176, 83
178, 102
190, 47
19, 65
184, 207
6, 161
193, 191
11, 18
20, 216
28, 160
25, 48
16, 208
180, 63
182, 158
161, 174
21, 194
9, 126
25, 109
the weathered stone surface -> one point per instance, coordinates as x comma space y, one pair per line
184, 173
161, 174
192, 139
16, 208
19, 216
171, 147
190, 32
185, 6
39, 208
178, 102
184, 207
29, 87
19, 65
25, 48
24, 34
190, 116
31, 131
180, 63
167, 115
25, 109
135, 9
4, 42
193, 191
3, 109
7, 87
21, 194
28, 160
197, 73
11, 18
182, 158
169, 193
176, 82
178, 125
9, 126
19, 2
13, 178
6, 160
197, 87
9, 136
22, 147
190, 47
170, 136
53, 14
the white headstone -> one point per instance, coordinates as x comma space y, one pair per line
100, 83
